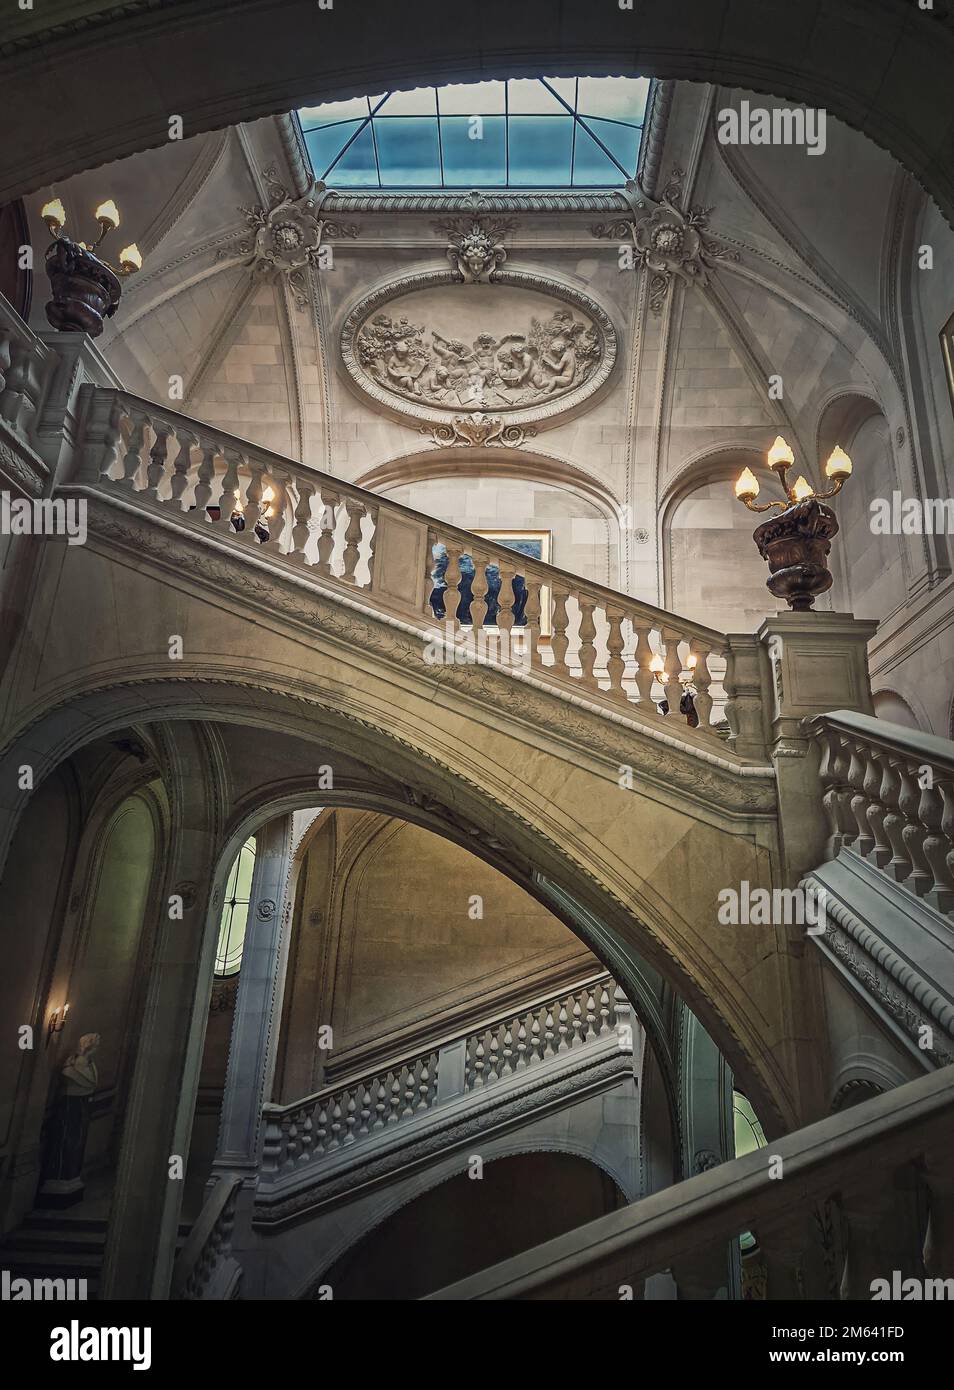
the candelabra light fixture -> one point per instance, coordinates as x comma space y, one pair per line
86, 288
797, 541
57, 1022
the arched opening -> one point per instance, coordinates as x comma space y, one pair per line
470, 1222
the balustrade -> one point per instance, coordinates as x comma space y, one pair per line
342, 1115
888, 794
501, 606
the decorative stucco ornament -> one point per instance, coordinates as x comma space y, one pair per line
475, 248
288, 235
668, 239
478, 430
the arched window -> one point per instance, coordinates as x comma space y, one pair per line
238, 892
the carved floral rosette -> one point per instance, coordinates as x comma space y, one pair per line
535, 370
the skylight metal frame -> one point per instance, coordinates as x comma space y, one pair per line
378, 111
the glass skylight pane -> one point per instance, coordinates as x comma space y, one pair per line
529, 97
566, 86
540, 150
473, 163
591, 167
420, 102
472, 99
330, 111
357, 167
407, 151
621, 141
326, 144
622, 97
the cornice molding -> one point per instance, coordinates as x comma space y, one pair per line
477, 201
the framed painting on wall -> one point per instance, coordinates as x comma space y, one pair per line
536, 545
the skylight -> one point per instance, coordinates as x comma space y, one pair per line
547, 132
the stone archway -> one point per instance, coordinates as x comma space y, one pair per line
859, 59
633, 919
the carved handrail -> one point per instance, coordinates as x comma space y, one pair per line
477, 598
888, 794
346, 1112
208, 1244
846, 1157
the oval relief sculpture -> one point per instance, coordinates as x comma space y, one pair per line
523, 348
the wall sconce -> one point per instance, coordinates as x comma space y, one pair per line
86, 289
797, 542
57, 1022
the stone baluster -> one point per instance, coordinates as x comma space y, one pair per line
536, 1041
673, 685
549, 1033
394, 1099
615, 642
132, 459
182, 465
481, 603
946, 788
329, 520
644, 675
205, 479
898, 865
158, 459
493, 1063
321, 1131
455, 592
306, 1131
254, 490
504, 618
424, 1083
533, 613
229, 501
938, 851
863, 841
587, 641
277, 509
380, 1106
21, 389
876, 810
301, 530
831, 772
521, 1044
560, 639
355, 512
477, 1062
702, 680
913, 833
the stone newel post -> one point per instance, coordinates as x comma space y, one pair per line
818, 664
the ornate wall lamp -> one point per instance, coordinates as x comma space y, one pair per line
57, 1022
86, 289
797, 542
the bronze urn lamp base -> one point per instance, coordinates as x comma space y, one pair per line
796, 542
85, 290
